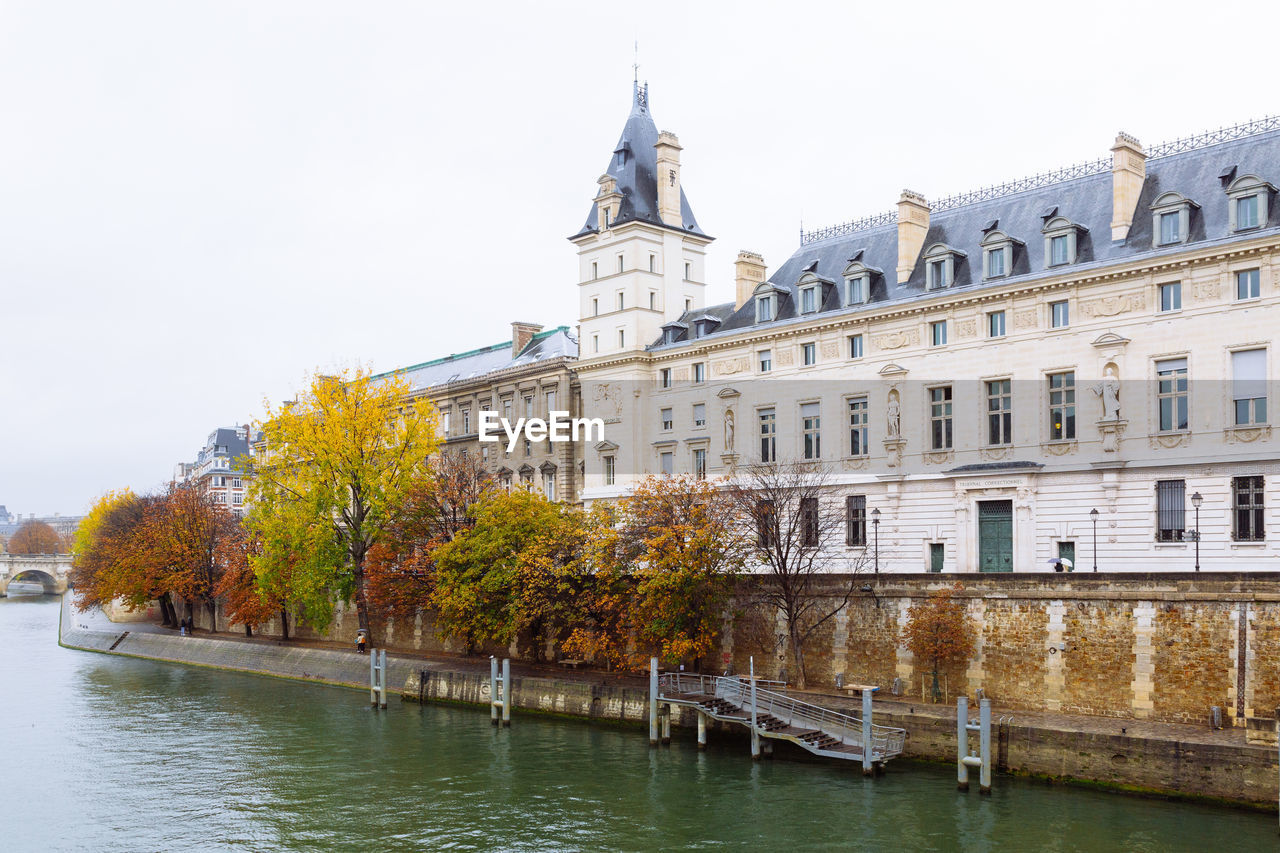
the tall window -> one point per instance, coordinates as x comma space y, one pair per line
1247, 212
855, 520
856, 290
809, 522
668, 421
666, 461
938, 274
622, 298
466, 421
1171, 394
664, 377
1170, 510
764, 309
595, 306
858, 420
995, 262
700, 463
811, 426
855, 346
1171, 296
765, 523
549, 485
940, 417
1249, 386
1058, 250
610, 470
938, 331
995, 324
595, 270
699, 372
768, 436
1000, 412
653, 262
1248, 284
1062, 405
528, 406
1170, 228
653, 300
622, 338
1059, 318
551, 401
809, 354
808, 300
1246, 506
699, 414
765, 359
444, 424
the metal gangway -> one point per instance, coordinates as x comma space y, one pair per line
770, 713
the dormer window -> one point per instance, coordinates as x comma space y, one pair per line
671, 332
940, 266
809, 299
1171, 219
1249, 200
765, 310
997, 254
768, 300
1061, 241
857, 290
704, 326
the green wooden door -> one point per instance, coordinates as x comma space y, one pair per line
936, 553
995, 536
1067, 551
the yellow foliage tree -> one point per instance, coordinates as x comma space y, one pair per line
336, 465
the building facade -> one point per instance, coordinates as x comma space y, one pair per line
986, 370
218, 469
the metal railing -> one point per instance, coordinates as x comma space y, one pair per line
886, 741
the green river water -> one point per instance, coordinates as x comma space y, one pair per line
113, 754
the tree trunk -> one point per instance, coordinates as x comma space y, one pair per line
797, 655
248, 630
213, 615
168, 618
284, 624
362, 600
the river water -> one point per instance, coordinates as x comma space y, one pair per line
112, 754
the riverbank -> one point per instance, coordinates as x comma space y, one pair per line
1141, 757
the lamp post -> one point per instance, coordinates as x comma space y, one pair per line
875, 524
1196, 500
1093, 514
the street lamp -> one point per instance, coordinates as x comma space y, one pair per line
1093, 514
875, 524
1196, 500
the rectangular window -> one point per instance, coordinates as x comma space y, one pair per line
700, 463
1062, 406
764, 309
1249, 386
653, 300
653, 262
855, 520
528, 406
809, 522
940, 415
1248, 284
859, 418
688, 305
595, 270
768, 436
1247, 212
855, 346
595, 343
938, 273
1170, 228
1058, 250
1059, 319
466, 422
1246, 509
1171, 394
1171, 296
938, 332
666, 462
688, 271
622, 298
699, 414
808, 300
528, 448
595, 306
1000, 412
622, 338
551, 401
668, 421
506, 409
610, 470
995, 324
856, 290
811, 427
236, 483
765, 358
699, 373
765, 523
809, 354
549, 485
238, 500
995, 262
620, 267
664, 377
1170, 510
444, 422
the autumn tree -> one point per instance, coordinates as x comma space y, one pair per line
784, 513
436, 508
680, 535
183, 539
336, 467
939, 632
35, 537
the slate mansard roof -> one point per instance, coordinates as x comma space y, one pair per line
460, 367
635, 167
1199, 169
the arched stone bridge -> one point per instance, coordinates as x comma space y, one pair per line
48, 569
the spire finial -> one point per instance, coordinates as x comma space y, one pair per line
635, 66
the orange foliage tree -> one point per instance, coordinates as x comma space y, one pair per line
35, 537
939, 631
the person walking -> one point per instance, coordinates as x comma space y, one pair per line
362, 640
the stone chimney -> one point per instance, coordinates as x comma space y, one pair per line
1128, 173
749, 271
913, 225
521, 335
669, 179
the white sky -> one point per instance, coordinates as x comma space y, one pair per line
200, 202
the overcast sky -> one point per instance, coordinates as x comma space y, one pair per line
202, 202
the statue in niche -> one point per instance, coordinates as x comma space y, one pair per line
893, 411
1108, 391
728, 430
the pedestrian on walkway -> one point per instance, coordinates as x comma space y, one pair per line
361, 640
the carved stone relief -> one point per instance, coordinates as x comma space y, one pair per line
1168, 441
1246, 435
1058, 448
898, 339
1110, 306
830, 349
995, 454
967, 328
729, 367
1025, 319
786, 356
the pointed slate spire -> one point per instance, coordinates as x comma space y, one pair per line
634, 166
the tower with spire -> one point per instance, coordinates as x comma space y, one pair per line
641, 254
